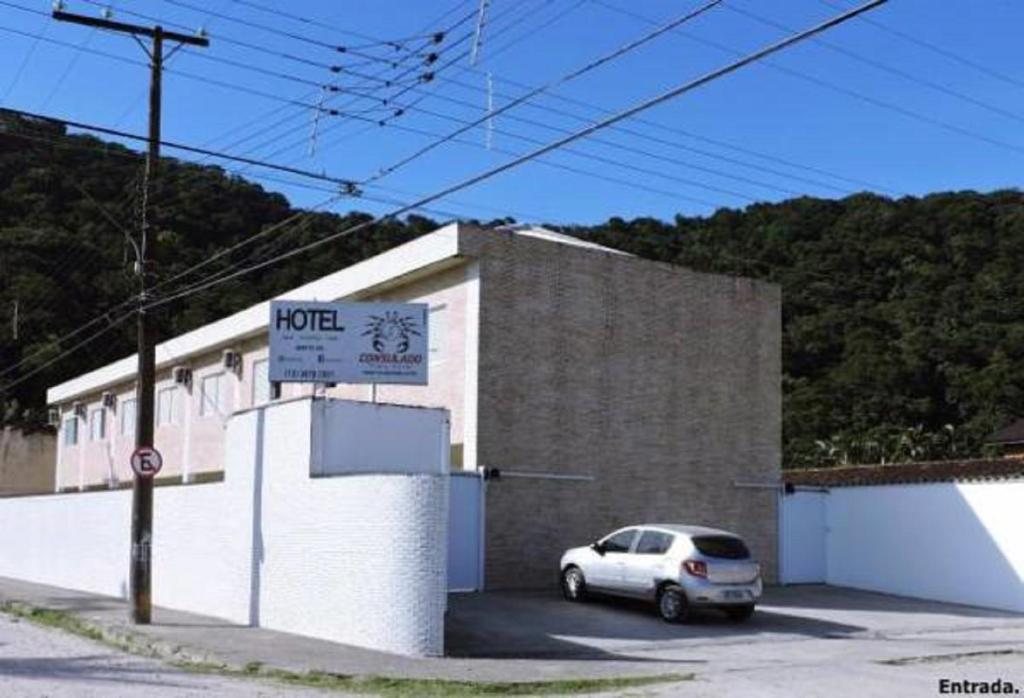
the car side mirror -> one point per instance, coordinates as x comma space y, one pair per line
597, 548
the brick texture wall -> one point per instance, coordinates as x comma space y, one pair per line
661, 383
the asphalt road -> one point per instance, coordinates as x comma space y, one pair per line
37, 661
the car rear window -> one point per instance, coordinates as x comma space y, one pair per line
721, 546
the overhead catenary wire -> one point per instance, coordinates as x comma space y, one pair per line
554, 145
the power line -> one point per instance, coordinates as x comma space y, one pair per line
438, 70
178, 146
372, 41
24, 61
338, 48
568, 77
67, 69
877, 24
879, 65
654, 139
619, 116
679, 132
832, 86
25, 376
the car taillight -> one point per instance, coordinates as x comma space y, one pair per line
697, 568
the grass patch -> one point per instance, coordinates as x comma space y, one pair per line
371, 685
401, 688
53, 619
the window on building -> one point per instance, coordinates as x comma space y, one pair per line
127, 410
654, 543
620, 542
166, 406
214, 395
98, 424
71, 431
260, 382
437, 329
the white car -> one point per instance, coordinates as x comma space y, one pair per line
679, 567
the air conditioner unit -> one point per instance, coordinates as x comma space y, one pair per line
182, 376
109, 399
53, 417
79, 409
275, 390
231, 360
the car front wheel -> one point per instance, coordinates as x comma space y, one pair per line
574, 586
673, 606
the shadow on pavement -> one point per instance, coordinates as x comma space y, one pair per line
535, 625
819, 596
96, 668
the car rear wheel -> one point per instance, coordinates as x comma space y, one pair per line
740, 613
574, 585
672, 604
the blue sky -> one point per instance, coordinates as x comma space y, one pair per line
927, 96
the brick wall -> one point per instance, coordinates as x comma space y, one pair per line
661, 383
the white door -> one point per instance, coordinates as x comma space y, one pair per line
802, 537
465, 532
608, 571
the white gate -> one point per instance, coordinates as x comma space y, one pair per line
802, 532
466, 532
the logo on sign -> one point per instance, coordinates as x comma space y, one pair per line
147, 461
391, 332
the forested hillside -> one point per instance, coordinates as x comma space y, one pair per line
903, 319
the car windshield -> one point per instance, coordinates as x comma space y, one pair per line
721, 546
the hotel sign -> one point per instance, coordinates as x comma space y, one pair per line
314, 342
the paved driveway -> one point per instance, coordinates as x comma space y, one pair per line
804, 640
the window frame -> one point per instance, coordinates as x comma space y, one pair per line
632, 541
216, 407
101, 414
671, 539
126, 406
172, 420
71, 434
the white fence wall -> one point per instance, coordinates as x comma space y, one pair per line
956, 542
74, 541
359, 559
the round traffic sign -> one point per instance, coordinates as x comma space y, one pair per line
146, 461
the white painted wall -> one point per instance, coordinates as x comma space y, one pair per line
365, 437
359, 559
956, 542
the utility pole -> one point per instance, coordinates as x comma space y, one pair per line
142, 493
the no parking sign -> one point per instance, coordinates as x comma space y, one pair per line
146, 461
